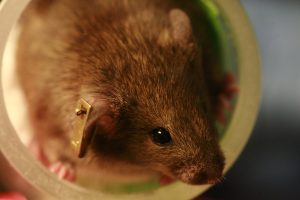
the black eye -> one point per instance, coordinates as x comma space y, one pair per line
161, 136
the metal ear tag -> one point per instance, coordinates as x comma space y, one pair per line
80, 140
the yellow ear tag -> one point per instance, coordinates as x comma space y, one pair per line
80, 139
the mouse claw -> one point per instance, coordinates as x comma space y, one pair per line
64, 171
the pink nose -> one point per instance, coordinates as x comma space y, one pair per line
209, 174
209, 177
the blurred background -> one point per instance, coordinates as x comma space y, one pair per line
269, 167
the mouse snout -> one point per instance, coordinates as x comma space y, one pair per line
201, 172
208, 176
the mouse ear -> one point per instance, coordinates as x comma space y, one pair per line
91, 119
181, 26
104, 119
180, 30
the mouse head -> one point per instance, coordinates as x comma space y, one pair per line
152, 112
168, 132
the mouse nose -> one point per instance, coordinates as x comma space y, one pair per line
210, 174
200, 178
206, 177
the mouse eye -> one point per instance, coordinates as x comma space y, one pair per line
161, 136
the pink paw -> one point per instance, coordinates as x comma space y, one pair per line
64, 171
38, 152
228, 88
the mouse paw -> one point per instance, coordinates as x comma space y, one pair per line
228, 88
64, 171
38, 152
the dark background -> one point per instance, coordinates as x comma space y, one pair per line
269, 167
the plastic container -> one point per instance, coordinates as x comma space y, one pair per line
235, 45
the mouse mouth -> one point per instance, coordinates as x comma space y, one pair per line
196, 174
166, 180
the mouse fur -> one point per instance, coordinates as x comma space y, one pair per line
137, 63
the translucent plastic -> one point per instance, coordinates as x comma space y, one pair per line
37, 183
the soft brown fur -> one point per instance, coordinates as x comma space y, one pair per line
136, 67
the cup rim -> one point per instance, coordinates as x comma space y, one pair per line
39, 183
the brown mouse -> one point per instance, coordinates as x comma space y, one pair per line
137, 64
